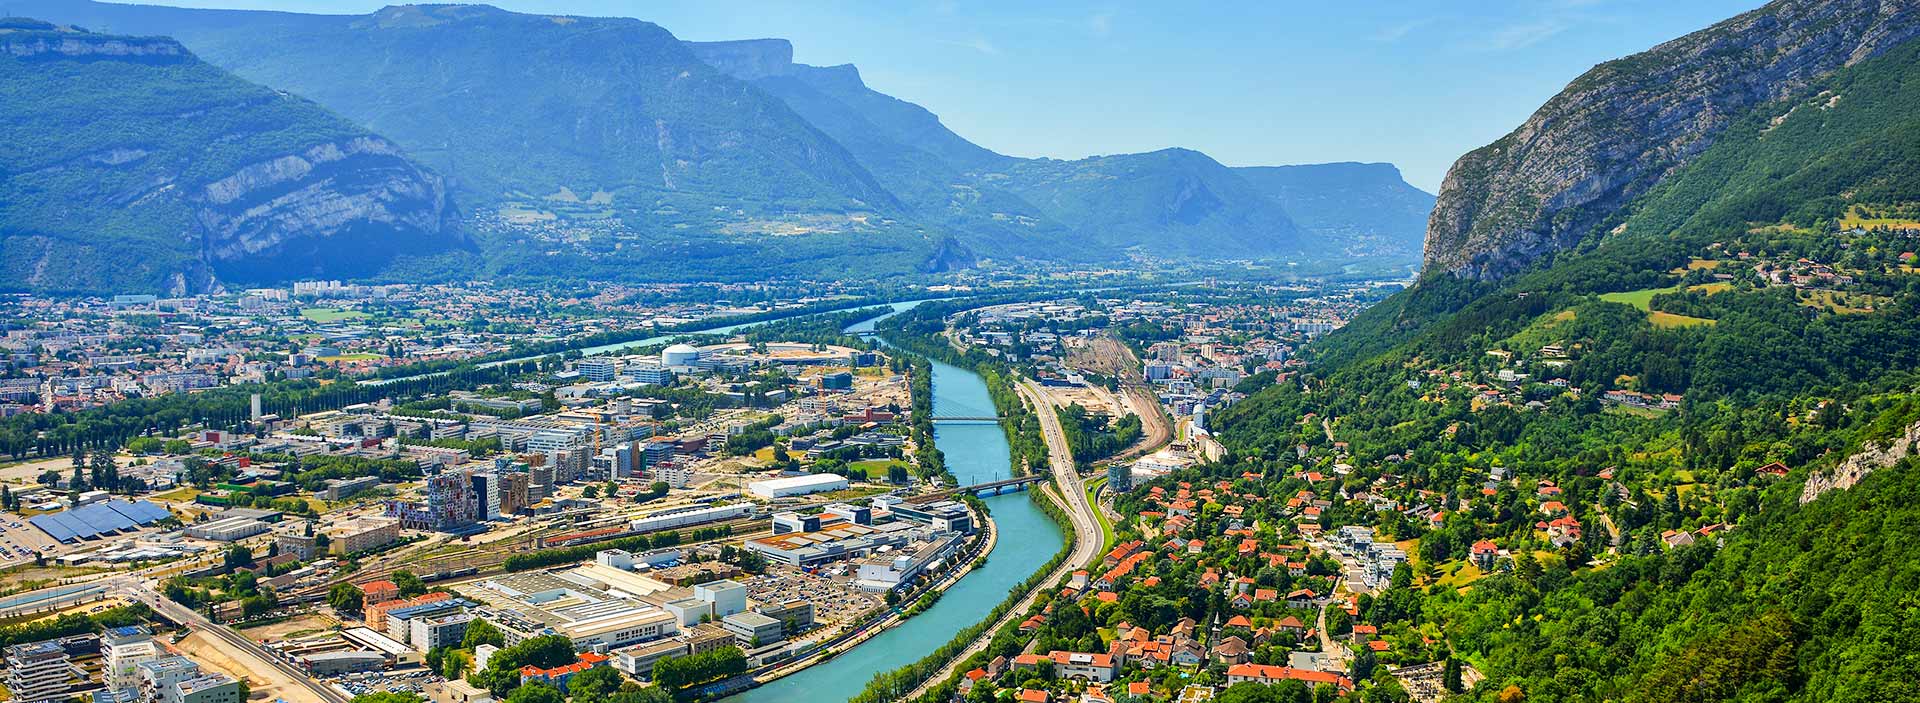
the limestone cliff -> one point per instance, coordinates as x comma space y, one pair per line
1626, 124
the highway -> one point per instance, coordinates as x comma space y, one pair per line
1072, 492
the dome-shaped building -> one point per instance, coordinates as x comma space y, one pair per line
680, 355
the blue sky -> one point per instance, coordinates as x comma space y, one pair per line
1249, 83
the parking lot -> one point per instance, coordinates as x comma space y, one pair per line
832, 593
415, 680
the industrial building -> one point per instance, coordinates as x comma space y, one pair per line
592, 605
834, 541
797, 485
227, 529
96, 520
687, 517
753, 629
892, 569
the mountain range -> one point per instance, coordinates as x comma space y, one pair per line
581, 146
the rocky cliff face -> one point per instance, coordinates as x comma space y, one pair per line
328, 190
1624, 125
1871, 458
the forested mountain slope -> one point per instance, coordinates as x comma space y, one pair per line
127, 164
1631, 421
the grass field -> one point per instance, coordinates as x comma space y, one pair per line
330, 314
1643, 299
1863, 216
766, 454
1667, 320
1843, 303
875, 469
1637, 298
1106, 526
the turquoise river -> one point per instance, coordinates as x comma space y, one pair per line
976, 452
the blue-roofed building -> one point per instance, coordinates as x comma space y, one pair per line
96, 520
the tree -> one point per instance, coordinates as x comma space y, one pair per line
650, 694
481, 632
594, 684
49, 477
1450, 676
409, 584
386, 697
536, 692
238, 557
1363, 664
346, 597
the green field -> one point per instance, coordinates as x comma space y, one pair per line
1638, 298
1643, 299
330, 314
1667, 320
875, 469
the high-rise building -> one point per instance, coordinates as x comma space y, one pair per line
1120, 477
486, 494
39, 672
450, 501
513, 492
122, 651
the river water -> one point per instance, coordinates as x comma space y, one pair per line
976, 452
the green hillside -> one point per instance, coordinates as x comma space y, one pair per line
130, 165
1754, 306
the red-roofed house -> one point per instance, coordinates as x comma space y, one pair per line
1270, 675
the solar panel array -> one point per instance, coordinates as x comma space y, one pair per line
96, 519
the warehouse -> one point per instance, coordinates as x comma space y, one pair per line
797, 485
228, 529
684, 517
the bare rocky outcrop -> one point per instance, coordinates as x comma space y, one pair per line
1624, 125
1870, 459
323, 191
30, 45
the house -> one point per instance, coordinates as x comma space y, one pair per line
1029, 695
1092, 666
1772, 470
1483, 554
1232, 650
1270, 675
1302, 598
1677, 538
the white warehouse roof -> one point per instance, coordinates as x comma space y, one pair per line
797, 485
